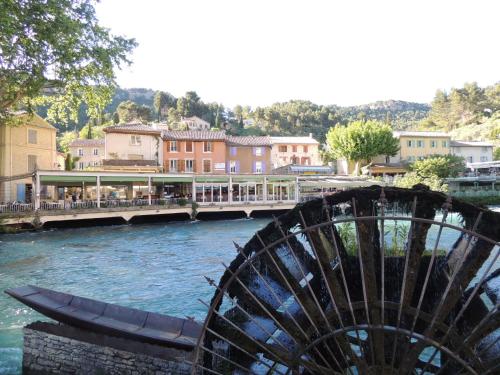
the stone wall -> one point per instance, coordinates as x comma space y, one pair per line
59, 349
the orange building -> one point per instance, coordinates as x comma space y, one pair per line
194, 152
248, 155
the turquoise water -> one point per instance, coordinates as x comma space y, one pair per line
156, 267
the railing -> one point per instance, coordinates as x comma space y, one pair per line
127, 203
16, 207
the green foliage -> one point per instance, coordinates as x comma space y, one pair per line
348, 235
57, 48
411, 179
64, 140
442, 166
361, 141
70, 162
470, 104
496, 154
129, 111
161, 102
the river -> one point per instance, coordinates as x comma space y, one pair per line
155, 267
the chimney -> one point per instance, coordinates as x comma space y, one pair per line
310, 135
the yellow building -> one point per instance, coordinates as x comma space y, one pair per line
418, 145
23, 148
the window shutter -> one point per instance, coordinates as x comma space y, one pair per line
263, 167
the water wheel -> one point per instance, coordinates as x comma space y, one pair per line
359, 282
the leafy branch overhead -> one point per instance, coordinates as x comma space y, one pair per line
58, 49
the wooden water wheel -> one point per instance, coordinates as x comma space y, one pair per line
359, 283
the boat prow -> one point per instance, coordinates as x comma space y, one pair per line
110, 319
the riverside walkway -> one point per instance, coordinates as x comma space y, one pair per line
59, 196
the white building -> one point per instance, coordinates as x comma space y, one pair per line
472, 151
195, 123
89, 152
134, 141
294, 150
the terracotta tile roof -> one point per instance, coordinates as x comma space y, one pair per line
87, 143
248, 141
133, 127
194, 135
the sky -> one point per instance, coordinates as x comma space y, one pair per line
346, 52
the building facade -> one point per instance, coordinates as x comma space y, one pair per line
248, 155
195, 123
415, 145
133, 144
87, 152
294, 150
23, 149
473, 152
194, 152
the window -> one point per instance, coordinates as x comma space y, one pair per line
258, 151
411, 143
172, 165
189, 146
411, 158
207, 146
189, 165
469, 159
31, 163
80, 165
96, 151
32, 136
233, 151
420, 143
433, 144
232, 166
96, 163
283, 149
80, 152
207, 165
484, 149
305, 149
444, 144
484, 158
258, 167
173, 146
294, 148
135, 140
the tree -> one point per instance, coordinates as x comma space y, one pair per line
496, 154
411, 179
441, 166
161, 102
130, 111
57, 48
361, 141
64, 140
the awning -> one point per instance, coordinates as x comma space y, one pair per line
212, 179
249, 179
118, 179
65, 179
281, 179
172, 179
